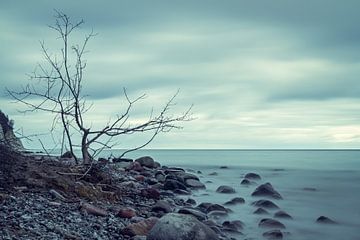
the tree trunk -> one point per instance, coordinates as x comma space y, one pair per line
85, 149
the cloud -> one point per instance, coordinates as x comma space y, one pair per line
261, 74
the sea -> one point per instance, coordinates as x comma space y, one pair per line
313, 183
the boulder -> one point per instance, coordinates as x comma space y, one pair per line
273, 234
234, 201
146, 162
282, 214
326, 220
162, 206
225, 189
215, 207
93, 210
175, 226
252, 176
260, 211
270, 223
67, 154
266, 190
191, 201
150, 193
126, 213
171, 184
194, 212
245, 182
140, 228
233, 226
193, 183
265, 204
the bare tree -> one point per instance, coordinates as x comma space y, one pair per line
56, 87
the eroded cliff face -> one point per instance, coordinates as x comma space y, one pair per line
7, 136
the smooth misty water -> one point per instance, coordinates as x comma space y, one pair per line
335, 175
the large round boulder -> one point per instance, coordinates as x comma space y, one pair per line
175, 226
146, 162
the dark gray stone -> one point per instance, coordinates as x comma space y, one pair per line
175, 226
266, 190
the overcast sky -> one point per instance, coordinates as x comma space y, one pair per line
261, 74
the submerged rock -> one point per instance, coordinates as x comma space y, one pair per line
225, 189
265, 204
252, 176
266, 190
174, 226
234, 201
193, 183
260, 211
326, 220
270, 223
282, 214
194, 212
273, 234
245, 182
233, 226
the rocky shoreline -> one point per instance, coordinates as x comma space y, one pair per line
47, 197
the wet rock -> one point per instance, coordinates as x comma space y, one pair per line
191, 201
171, 184
233, 226
261, 211
245, 182
91, 209
173, 170
282, 214
182, 192
146, 161
126, 213
234, 201
135, 166
266, 190
194, 212
271, 223
225, 189
326, 220
193, 183
265, 204
252, 176
160, 176
141, 228
67, 154
174, 226
150, 193
224, 167
215, 207
213, 174
204, 206
162, 206
273, 234
139, 178
217, 213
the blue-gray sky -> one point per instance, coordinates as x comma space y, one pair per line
261, 74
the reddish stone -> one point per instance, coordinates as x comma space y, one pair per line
91, 209
141, 228
150, 193
126, 213
140, 178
